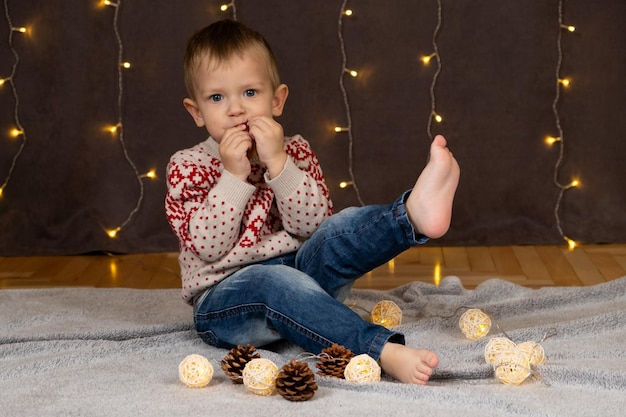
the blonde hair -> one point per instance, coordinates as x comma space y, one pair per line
220, 41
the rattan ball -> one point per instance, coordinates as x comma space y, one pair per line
362, 369
474, 324
387, 314
534, 351
195, 371
259, 376
514, 370
498, 349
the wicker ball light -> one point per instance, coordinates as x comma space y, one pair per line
387, 314
474, 324
534, 351
259, 376
514, 370
498, 350
195, 371
362, 369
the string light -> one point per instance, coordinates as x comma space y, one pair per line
560, 83
224, 8
339, 129
345, 184
426, 60
343, 13
19, 131
118, 128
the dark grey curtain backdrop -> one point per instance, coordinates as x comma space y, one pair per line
496, 89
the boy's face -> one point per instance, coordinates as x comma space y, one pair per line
232, 93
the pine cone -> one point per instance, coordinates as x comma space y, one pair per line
236, 360
296, 381
334, 360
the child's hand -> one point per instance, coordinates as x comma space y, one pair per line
233, 151
269, 138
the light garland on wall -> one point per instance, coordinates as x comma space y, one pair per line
118, 128
426, 59
560, 83
344, 12
18, 130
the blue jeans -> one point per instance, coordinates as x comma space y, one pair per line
299, 296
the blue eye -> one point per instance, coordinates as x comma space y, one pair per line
216, 97
250, 93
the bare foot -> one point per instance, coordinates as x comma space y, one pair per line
408, 365
429, 205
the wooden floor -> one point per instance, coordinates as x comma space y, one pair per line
531, 266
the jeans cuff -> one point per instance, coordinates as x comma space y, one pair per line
403, 219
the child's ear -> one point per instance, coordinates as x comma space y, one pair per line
280, 97
194, 111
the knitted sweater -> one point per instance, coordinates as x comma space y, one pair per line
224, 224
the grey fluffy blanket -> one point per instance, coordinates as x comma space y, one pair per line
115, 352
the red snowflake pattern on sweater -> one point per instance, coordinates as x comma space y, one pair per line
223, 224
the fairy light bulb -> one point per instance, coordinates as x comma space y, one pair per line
3, 80
438, 118
426, 58
565, 82
352, 72
16, 132
125, 64
569, 28
20, 29
224, 7
113, 232
345, 184
570, 243
575, 183
340, 129
109, 3
113, 128
150, 174
551, 140
348, 12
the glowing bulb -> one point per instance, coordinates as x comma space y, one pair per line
565, 82
125, 64
113, 129
341, 129
426, 59
569, 28
1, 191
345, 184
351, 72
21, 29
574, 183
113, 232
438, 118
16, 132
225, 6
3, 80
348, 12
570, 243
109, 3
150, 174
550, 140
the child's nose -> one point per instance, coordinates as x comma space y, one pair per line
235, 107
